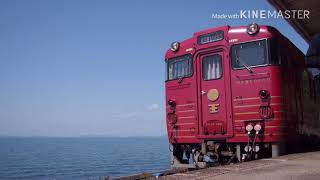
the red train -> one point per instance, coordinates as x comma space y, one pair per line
238, 93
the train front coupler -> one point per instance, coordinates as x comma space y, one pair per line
252, 148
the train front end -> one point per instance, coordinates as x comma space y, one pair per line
224, 97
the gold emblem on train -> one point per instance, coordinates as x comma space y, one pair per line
213, 95
213, 108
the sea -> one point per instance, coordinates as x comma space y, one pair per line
81, 157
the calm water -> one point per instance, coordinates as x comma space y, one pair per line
80, 158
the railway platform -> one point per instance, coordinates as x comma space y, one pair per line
301, 166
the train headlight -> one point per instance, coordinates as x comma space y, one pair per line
253, 28
257, 127
249, 127
171, 103
264, 94
175, 46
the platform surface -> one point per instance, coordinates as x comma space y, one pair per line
302, 166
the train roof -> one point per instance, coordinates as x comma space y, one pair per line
232, 35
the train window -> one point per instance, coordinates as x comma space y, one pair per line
275, 57
179, 67
211, 67
249, 54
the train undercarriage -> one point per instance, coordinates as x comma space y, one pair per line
212, 153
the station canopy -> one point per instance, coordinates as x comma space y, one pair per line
307, 28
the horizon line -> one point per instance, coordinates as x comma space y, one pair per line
79, 136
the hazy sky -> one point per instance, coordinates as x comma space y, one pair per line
75, 67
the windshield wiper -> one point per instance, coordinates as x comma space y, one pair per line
180, 79
243, 63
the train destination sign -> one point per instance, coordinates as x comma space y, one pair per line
211, 37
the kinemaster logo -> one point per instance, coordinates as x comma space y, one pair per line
264, 14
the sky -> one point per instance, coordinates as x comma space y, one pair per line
96, 67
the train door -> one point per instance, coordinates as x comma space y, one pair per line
212, 78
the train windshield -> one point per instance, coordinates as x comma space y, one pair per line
179, 67
249, 54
